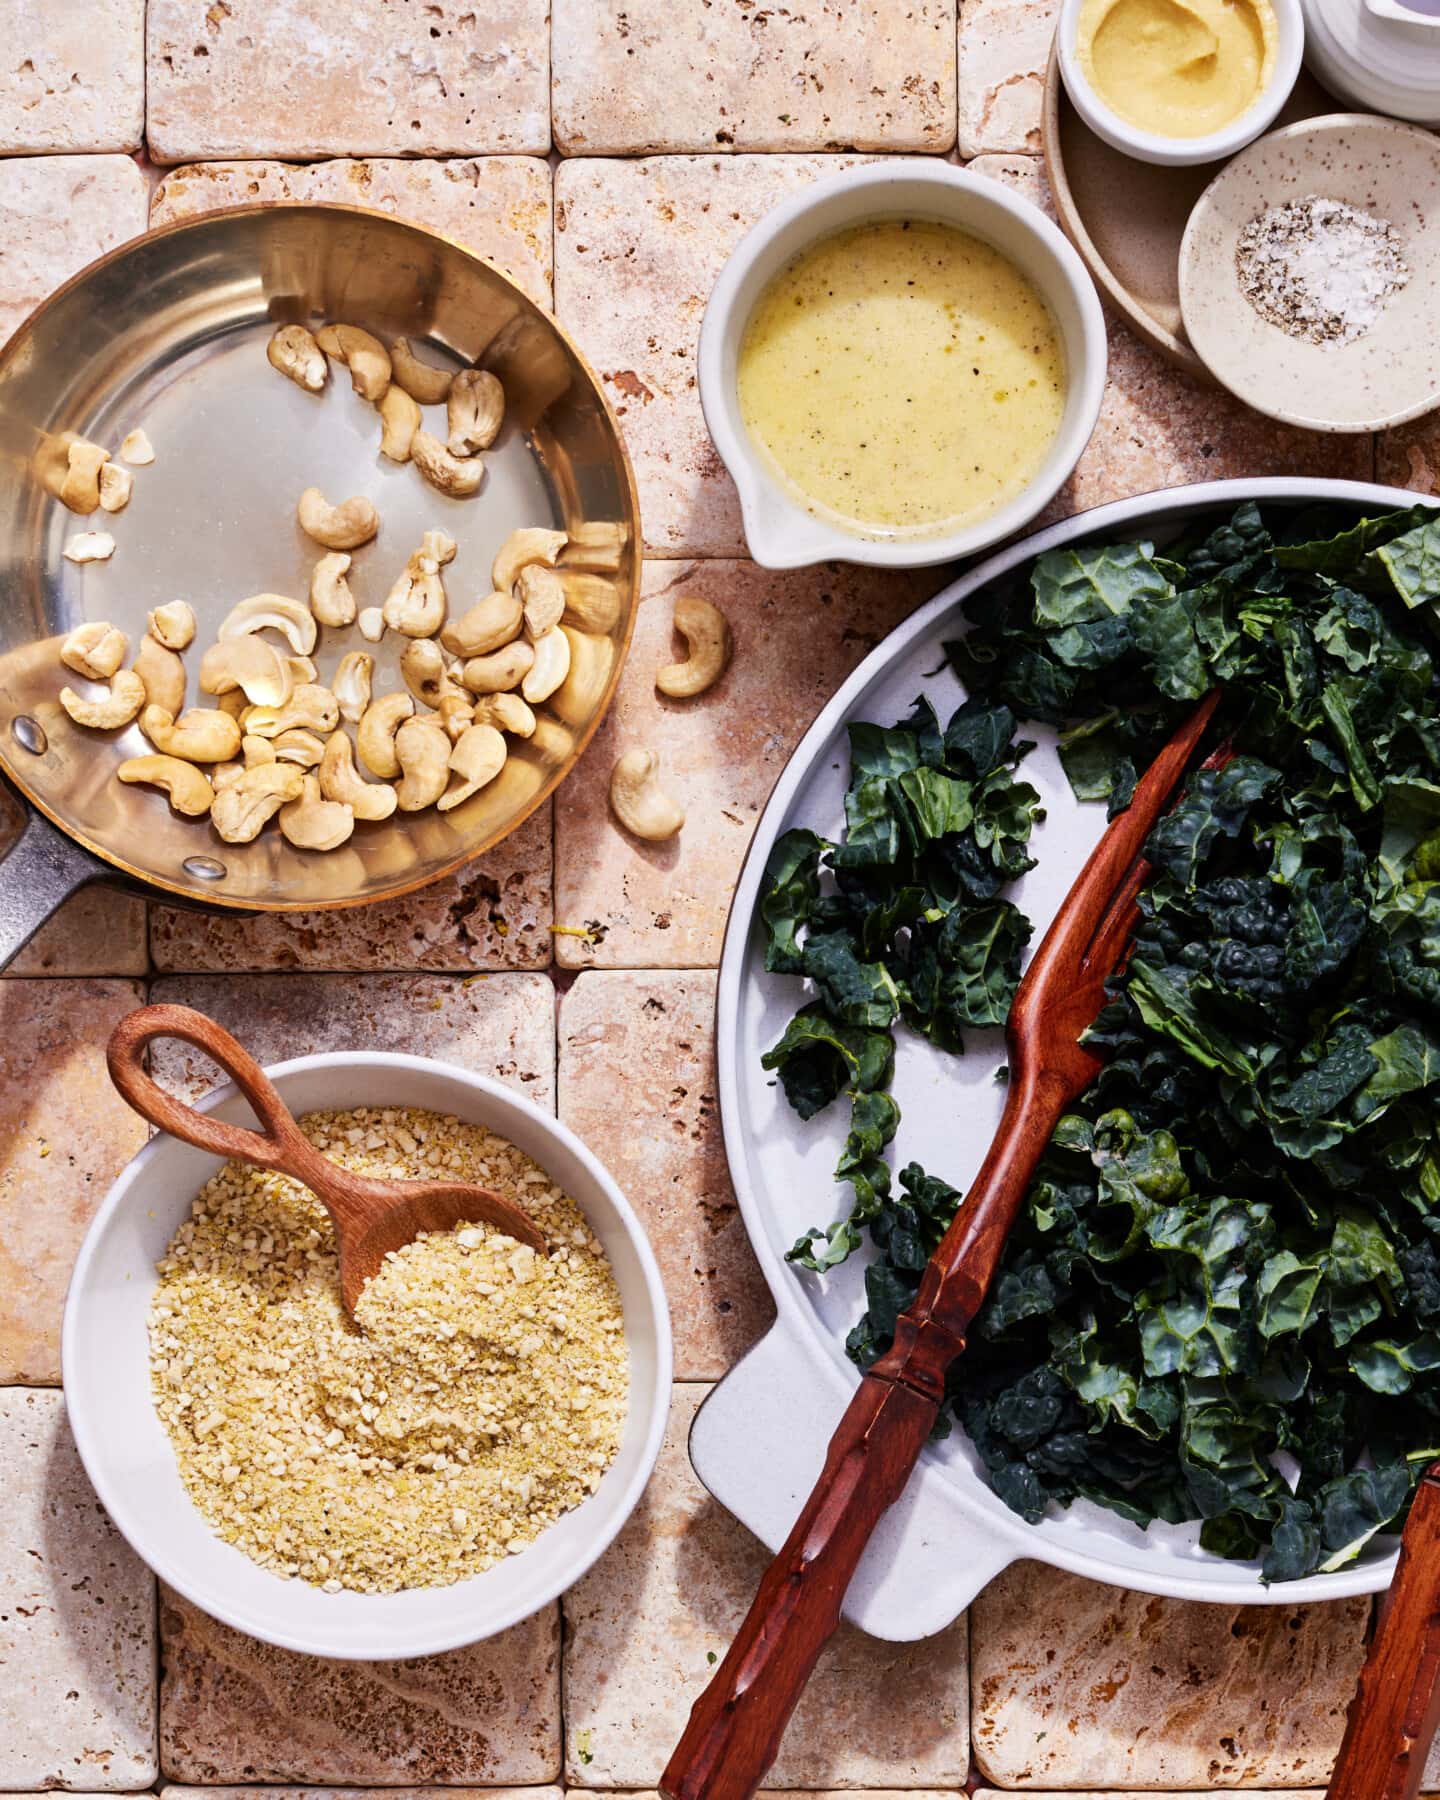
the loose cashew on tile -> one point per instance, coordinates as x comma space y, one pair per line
341, 780
506, 712
163, 673
530, 544
119, 706
173, 624
639, 802
315, 823
243, 808
455, 713
136, 449
351, 685
344, 527
707, 631
488, 624
458, 476
88, 547
190, 793
421, 382
424, 672
294, 352
501, 670
542, 594
251, 664
95, 650
201, 734
331, 601
312, 707
551, 666
591, 601
297, 746
423, 753
416, 605
363, 355
474, 411
116, 486
371, 624
399, 421
475, 761
272, 612
375, 738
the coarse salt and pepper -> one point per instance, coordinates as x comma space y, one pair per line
1320, 269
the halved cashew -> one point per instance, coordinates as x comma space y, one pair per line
551, 666
116, 486
454, 475
297, 746
331, 601
341, 780
438, 544
302, 669
95, 650
488, 624
375, 738
244, 806
312, 707
272, 612
640, 803
163, 673
455, 713
251, 664
371, 623
502, 669
399, 421
707, 631
591, 601
136, 448
542, 594
421, 382
119, 707
423, 670
351, 686
294, 352
79, 487
257, 750
344, 527
423, 753
596, 544
531, 544
416, 604
201, 734
314, 823
190, 793
475, 761
506, 712
363, 355
173, 624
88, 547
474, 411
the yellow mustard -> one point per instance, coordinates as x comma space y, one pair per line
1178, 68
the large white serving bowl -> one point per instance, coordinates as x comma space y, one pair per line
129, 1458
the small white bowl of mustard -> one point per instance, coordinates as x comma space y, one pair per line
1179, 82
899, 366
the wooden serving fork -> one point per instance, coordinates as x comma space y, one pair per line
737, 1723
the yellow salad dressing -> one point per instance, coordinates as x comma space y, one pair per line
902, 379
1179, 68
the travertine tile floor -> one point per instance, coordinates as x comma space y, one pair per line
675, 125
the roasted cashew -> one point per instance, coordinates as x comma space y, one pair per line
640, 803
296, 746
506, 712
190, 793
591, 601
302, 670
423, 670
79, 487
242, 808
596, 544
95, 650
542, 594
340, 780
363, 355
344, 527
455, 713
399, 421
88, 547
551, 666
474, 411
272, 612
201, 734
331, 601
371, 623
251, 664
314, 823
592, 662
351, 686
294, 352
116, 486
119, 707
163, 673
233, 703
375, 738
136, 448
475, 760
421, 382
438, 544
312, 707
423, 753
173, 624
454, 475
531, 544
488, 624
707, 631
416, 604
500, 670
257, 750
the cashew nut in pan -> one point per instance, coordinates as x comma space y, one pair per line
163, 673
119, 707
341, 780
501, 670
591, 601
95, 650
375, 738
351, 685
190, 793
596, 544
531, 544
201, 734
173, 624
423, 753
331, 601
455, 713
294, 352
314, 823
371, 624
506, 712
363, 355
344, 527
88, 547
488, 624
542, 594
116, 486
422, 669
416, 605
248, 663
458, 476
312, 707
474, 411
242, 808
475, 761
399, 421
136, 448
272, 612
296, 746
79, 486
707, 631
640, 803
427, 385
551, 666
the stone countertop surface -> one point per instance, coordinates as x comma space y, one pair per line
609, 156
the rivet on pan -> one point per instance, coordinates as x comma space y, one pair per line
205, 868
28, 734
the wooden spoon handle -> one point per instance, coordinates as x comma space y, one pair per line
1397, 1703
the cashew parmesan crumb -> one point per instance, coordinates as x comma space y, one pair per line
485, 1396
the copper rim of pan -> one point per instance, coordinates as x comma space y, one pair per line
15, 346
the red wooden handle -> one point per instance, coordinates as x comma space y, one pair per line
1397, 1703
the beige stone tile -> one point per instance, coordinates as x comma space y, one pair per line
72, 77
1410, 456
77, 1617
1137, 1794
65, 1134
501, 1026
494, 913
797, 635
637, 1083
672, 1590
1079, 1685
1004, 47
235, 1710
498, 206
308, 78
58, 213
174, 1791
688, 75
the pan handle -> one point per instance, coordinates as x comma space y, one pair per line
41, 868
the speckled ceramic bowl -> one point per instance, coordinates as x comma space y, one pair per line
1392, 372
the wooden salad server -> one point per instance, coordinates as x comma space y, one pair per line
1397, 1702
737, 1723
371, 1217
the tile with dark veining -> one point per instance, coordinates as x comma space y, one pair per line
58, 213
1409, 456
72, 78
1004, 46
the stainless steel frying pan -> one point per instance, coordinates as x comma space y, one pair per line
168, 333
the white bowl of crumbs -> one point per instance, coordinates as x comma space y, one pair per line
388, 1492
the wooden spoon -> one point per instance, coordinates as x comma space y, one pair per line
371, 1217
